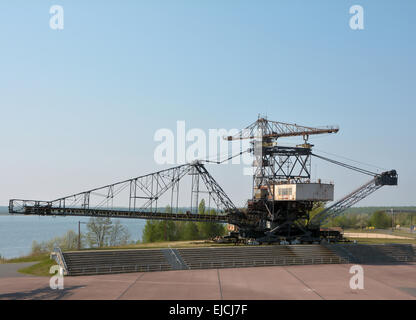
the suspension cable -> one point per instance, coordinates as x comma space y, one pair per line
348, 166
229, 158
349, 159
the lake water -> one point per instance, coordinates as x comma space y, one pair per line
18, 232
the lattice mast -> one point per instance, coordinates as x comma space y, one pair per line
277, 164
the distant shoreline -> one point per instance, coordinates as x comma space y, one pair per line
4, 210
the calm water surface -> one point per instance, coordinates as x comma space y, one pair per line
18, 232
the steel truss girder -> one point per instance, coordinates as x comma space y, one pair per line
280, 163
214, 189
379, 180
346, 202
49, 211
274, 129
296, 167
149, 187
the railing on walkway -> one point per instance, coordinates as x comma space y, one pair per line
232, 263
176, 257
58, 256
106, 269
387, 259
266, 262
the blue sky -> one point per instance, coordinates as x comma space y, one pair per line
80, 106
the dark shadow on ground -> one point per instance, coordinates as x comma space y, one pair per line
411, 291
377, 254
45, 293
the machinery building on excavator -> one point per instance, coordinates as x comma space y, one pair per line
303, 192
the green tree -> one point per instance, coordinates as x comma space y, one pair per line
169, 228
190, 231
119, 235
172, 231
209, 230
36, 247
180, 229
69, 241
380, 220
201, 207
166, 230
149, 231
99, 230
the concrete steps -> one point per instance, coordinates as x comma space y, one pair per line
115, 261
231, 257
146, 260
175, 259
377, 253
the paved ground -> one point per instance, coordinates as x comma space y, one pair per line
288, 282
8, 270
373, 236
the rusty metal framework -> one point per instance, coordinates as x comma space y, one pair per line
273, 129
272, 163
276, 164
386, 178
288, 163
139, 198
265, 218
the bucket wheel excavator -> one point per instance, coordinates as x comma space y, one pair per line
283, 194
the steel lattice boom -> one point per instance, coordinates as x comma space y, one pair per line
267, 129
386, 178
140, 197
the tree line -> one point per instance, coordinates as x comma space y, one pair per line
379, 219
165, 230
103, 232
